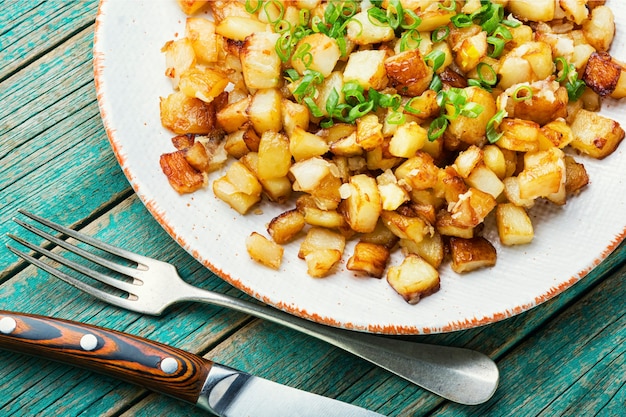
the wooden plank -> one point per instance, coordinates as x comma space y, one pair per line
560, 367
34, 27
193, 327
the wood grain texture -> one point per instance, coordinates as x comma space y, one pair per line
565, 357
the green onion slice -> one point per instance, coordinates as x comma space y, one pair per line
492, 134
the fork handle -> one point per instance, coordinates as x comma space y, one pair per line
153, 365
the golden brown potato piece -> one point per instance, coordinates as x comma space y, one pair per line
182, 114
413, 279
192, 6
181, 175
601, 73
575, 175
595, 135
408, 73
264, 251
471, 254
284, 227
369, 258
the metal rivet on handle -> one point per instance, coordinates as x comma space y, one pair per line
89, 342
7, 325
169, 365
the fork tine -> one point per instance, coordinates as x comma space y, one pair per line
132, 272
113, 282
140, 259
95, 292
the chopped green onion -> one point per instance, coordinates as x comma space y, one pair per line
436, 58
503, 32
492, 18
436, 84
408, 107
486, 74
437, 128
315, 110
511, 23
526, 93
253, 6
360, 110
498, 46
440, 34
563, 72
396, 118
492, 134
575, 89
471, 110
461, 20
450, 7
291, 75
410, 39
281, 11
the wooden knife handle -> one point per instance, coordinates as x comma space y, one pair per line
153, 365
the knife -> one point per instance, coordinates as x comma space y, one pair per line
217, 388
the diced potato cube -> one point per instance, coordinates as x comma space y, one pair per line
192, 6
227, 192
519, 135
286, 226
467, 160
533, 10
309, 173
602, 74
363, 203
418, 172
367, 67
362, 31
514, 225
472, 207
472, 130
512, 193
293, 115
471, 51
205, 84
369, 132
305, 145
264, 251
575, 175
575, 10
274, 155
317, 52
447, 226
392, 195
322, 250
405, 227
181, 175
413, 279
484, 179
407, 140
369, 258
260, 62
381, 235
599, 30
471, 254
330, 219
264, 110
243, 179
276, 189
179, 57
408, 73
238, 28
543, 173
201, 33
182, 114
595, 135
431, 248
494, 159
232, 116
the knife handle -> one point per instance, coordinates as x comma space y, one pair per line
153, 365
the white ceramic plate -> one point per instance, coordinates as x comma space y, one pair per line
569, 242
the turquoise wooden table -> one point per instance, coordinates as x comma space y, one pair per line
565, 357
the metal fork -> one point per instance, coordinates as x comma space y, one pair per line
458, 374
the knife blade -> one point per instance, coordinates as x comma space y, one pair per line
158, 367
